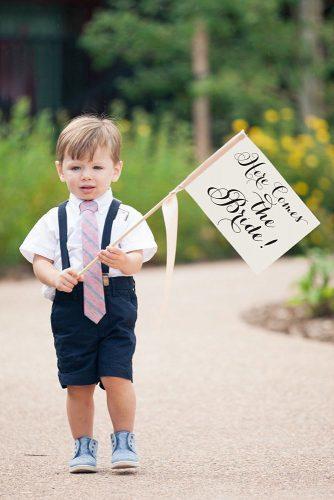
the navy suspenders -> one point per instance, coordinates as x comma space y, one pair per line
112, 212
62, 220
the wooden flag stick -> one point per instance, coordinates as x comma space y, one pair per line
195, 173
150, 212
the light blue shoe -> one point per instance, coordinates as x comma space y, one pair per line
124, 453
84, 459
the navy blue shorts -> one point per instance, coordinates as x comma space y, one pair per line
87, 351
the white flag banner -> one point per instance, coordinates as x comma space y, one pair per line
248, 201
251, 204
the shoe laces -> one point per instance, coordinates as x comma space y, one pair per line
83, 445
121, 440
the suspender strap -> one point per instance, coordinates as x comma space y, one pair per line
112, 212
62, 221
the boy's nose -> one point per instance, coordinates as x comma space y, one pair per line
86, 175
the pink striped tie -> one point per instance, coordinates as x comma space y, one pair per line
94, 303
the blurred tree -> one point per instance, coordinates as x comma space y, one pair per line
254, 55
311, 96
201, 104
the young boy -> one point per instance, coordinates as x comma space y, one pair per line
94, 314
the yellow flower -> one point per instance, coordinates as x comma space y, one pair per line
263, 140
271, 115
322, 123
239, 124
306, 140
324, 183
255, 130
311, 161
322, 135
294, 159
287, 113
287, 142
310, 121
144, 130
301, 188
330, 150
270, 145
315, 122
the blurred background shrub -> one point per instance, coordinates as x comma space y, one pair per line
315, 288
158, 154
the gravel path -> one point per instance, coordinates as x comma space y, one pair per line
224, 410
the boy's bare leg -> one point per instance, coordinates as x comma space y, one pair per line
80, 409
121, 400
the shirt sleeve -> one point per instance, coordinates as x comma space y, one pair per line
140, 238
41, 239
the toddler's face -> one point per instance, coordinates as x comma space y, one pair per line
89, 179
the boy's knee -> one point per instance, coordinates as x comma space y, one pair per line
113, 383
80, 391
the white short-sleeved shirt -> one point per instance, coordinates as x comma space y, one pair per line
43, 239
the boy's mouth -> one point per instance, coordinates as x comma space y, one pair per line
87, 188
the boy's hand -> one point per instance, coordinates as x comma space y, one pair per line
67, 279
113, 257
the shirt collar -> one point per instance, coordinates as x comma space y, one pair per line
102, 201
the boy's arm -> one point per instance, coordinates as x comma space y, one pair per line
49, 275
134, 262
44, 270
127, 262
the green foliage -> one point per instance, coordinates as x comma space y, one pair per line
315, 288
28, 183
157, 155
256, 56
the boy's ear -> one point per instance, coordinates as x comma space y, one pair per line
117, 171
60, 170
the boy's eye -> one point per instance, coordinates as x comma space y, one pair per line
95, 166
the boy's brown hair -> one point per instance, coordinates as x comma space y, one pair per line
83, 134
